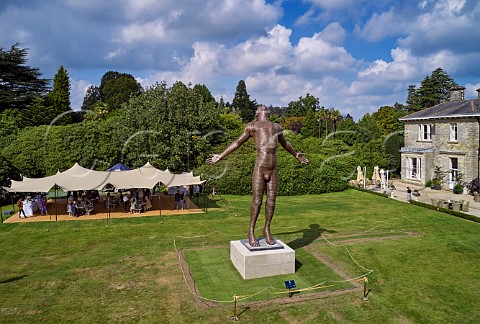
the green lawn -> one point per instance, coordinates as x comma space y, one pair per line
426, 265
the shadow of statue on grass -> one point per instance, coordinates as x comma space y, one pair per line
309, 235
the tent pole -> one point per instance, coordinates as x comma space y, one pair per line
159, 200
56, 209
1, 210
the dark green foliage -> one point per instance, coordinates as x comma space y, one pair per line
347, 131
204, 92
457, 189
447, 211
300, 107
434, 89
92, 96
242, 103
7, 171
116, 88
60, 98
19, 83
378, 193
367, 128
392, 145
58, 148
387, 121
329, 169
172, 128
310, 125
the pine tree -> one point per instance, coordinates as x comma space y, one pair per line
20, 84
434, 89
61, 96
242, 103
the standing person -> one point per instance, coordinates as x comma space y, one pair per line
182, 198
214, 192
125, 202
185, 196
409, 194
177, 204
20, 208
43, 204
266, 135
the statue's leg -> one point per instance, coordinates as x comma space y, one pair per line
272, 189
258, 187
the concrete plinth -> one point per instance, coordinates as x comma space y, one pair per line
262, 263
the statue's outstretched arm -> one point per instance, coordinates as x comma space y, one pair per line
232, 147
287, 146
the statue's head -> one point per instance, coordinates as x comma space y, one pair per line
261, 110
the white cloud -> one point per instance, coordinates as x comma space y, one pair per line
150, 31
383, 25
259, 53
78, 89
321, 54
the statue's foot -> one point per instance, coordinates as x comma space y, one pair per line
252, 240
268, 237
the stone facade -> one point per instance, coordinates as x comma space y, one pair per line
444, 137
431, 143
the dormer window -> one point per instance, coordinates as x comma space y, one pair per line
425, 132
453, 132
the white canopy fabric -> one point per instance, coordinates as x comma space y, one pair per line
32, 184
80, 178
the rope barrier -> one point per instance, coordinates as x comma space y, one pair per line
237, 298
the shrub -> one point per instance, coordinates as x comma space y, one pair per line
474, 185
457, 189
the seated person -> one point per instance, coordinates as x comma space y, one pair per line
133, 203
148, 203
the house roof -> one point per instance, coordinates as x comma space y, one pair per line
450, 109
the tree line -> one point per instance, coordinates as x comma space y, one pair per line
177, 127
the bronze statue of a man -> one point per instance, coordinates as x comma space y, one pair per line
267, 135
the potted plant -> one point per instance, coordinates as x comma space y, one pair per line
438, 178
457, 189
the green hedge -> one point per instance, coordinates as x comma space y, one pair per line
234, 175
447, 211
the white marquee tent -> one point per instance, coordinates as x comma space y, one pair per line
80, 178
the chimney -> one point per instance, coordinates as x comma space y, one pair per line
457, 93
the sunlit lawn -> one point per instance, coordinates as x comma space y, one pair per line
426, 265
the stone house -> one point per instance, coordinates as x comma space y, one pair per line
445, 136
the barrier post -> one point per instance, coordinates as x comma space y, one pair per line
365, 291
235, 316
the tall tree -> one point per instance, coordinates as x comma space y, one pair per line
434, 89
19, 83
60, 96
387, 121
334, 115
92, 96
242, 103
116, 88
204, 92
300, 107
172, 128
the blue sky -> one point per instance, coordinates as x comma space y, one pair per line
354, 55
